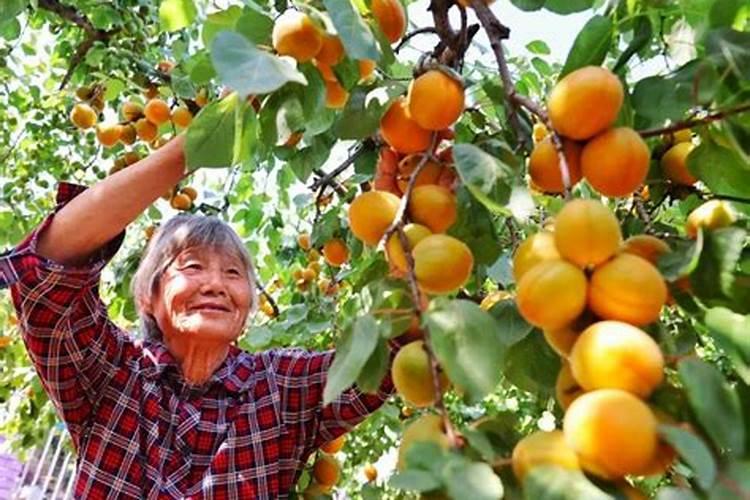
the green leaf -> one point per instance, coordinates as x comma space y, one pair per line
352, 352
731, 178
528, 5
731, 332
590, 46
414, 480
642, 33
657, 99
568, 6
682, 260
513, 327
375, 369
532, 365
488, 179
176, 14
224, 20
693, 451
309, 158
9, 9
556, 483
734, 482
210, 138
713, 278
475, 227
467, 342
255, 26
360, 119
670, 493
715, 404
538, 47
730, 50
475, 480
723, 12
249, 70
355, 34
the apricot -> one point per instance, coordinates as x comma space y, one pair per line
108, 135
315, 491
182, 117
128, 134
442, 263
335, 252
296, 35
535, 249
386, 170
627, 288
201, 98
674, 164
309, 274
615, 162
313, 255
131, 111
429, 89
336, 95
616, 355
585, 102
427, 428
552, 294
433, 206
303, 240
542, 448
371, 473
661, 461
146, 130
395, 252
326, 470
561, 340
612, 431
326, 72
391, 17
401, 132
430, 173
586, 232
371, 214
157, 111
646, 247
539, 132
191, 192
684, 135
412, 375
366, 68
83, 116
181, 202
544, 165
335, 445
713, 214
331, 50
567, 389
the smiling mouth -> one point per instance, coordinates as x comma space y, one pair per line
209, 308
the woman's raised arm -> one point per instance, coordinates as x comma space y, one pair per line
99, 214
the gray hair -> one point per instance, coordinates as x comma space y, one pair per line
181, 232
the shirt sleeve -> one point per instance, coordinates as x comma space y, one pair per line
74, 347
302, 375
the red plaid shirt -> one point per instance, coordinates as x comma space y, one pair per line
139, 430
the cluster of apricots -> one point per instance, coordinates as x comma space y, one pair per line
590, 292
335, 254
326, 469
582, 108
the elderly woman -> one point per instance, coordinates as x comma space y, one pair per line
184, 413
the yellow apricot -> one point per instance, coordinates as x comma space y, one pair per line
371, 473
552, 294
615, 162
427, 428
83, 116
536, 248
674, 164
335, 445
567, 389
336, 95
182, 117
433, 206
303, 240
146, 130
627, 288
539, 132
412, 375
366, 68
181, 202
370, 215
429, 174
296, 35
326, 470
157, 111
442, 263
586, 232
401, 132
128, 134
395, 252
544, 165
108, 135
131, 111
431, 88
585, 102
540, 449
391, 17
612, 431
713, 214
335, 252
561, 340
331, 50
645, 246
326, 72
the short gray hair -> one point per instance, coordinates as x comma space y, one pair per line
172, 238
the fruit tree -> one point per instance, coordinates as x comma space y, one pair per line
561, 236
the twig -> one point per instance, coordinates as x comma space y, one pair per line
327, 178
730, 197
268, 298
409, 36
711, 117
337, 186
13, 146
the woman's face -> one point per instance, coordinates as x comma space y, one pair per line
204, 295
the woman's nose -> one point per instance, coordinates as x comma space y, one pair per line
213, 281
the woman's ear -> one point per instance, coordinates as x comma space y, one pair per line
145, 304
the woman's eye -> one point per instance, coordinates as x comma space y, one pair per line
192, 265
233, 272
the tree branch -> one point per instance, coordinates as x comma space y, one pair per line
409, 36
329, 177
711, 117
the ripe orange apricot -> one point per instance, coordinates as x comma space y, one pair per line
561, 340
616, 355
336, 95
181, 202
412, 375
83, 116
371, 473
615, 162
181, 116
335, 252
542, 448
536, 248
326, 470
128, 134
427, 428
395, 252
674, 164
131, 111
586, 232
370, 215
713, 214
401, 132
433, 206
331, 50
539, 132
296, 35
567, 389
627, 288
335, 445
442, 263
585, 102
612, 431
391, 18
645, 246
146, 130
366, 68
157, 111
552, 294
303, 240
430, 173
325, 71
429, 89
108, 135
544, 165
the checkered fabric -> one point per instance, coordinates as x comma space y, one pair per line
139, 430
